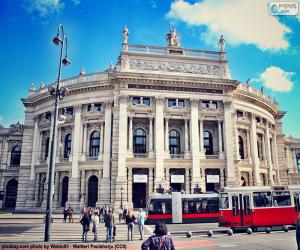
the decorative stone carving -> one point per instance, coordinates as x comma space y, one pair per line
192, 68
221, 44
32, 87
107, 104
15, 128
123, 98
82, 72
159, 99
227, 104
194, 101
173, 38
125, 35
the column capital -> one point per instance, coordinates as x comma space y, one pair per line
194, 101
150, 118
107, 103
78, 108
123, 99
159, 99
227, 104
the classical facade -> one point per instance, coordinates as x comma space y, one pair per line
163, 118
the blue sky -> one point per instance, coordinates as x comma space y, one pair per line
259, 46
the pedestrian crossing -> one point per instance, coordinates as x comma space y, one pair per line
71, 232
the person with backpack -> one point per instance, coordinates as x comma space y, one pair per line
109, 224
130, 219
141, 223
85, 222
160, 240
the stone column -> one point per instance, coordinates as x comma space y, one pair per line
221, 178
264, 145
167, 136
105, 182
194, 129
56, 190
150, 183
122, 149
186, 139
254, 151
84, 140
231, 178
150, 136
159, 141
269, 156
238, 156
82, 187
221, 153
101, 139
99, 187
30, 186
130, 135
167, 184
37, 188
73, 191
130, 190
187, 181
202, 153
276, 166
248, 147
59, 145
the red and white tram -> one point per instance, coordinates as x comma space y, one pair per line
183, 208
253, 207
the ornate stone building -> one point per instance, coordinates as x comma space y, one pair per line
162, 118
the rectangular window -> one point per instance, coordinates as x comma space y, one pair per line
171, 102
235, 205
141, 100
67, 111
240, 113
298, 161
176, 102
262, 199
209, 104
146, 101
281, 198
224, 201
94, 107
200, 205
135, 100
246, 204
160, 206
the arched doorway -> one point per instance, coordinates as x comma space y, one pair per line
92, 191
64, 190
11, 194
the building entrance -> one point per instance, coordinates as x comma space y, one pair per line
139, 187
92, 191
64, 191
11, 194
177, 179
212, 179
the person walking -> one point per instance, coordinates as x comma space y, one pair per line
160, 240
130, 219
85, 222
120, 213
95, 220
70, 213
82, 211
124, 213
141, 223
65, 212
109, 224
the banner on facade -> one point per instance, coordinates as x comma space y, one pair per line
177, 178
212, 178
140, 178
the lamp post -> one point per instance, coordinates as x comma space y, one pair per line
121, 196
58, 93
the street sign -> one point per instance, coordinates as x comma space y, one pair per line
212, 178
177, 178
140, 178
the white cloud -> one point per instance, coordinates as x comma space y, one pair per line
1, 119
43, 8
76, 2
277, 79
240, 21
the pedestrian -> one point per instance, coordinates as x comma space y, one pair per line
130, 220
85, 222
124, 213
120, 213
109, 224
70, 213
141, 223
95, 220
82, 211
160, 240
65, 212
298, 232
101, 215
90, 213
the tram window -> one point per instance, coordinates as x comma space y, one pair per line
246, 203
296, 201
282, 198
235, 205
262, 199
224, 201
160, 207
200, 205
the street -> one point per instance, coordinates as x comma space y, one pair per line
31, 230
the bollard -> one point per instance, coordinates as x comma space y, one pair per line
229, 232
249, 230
285, 228
210, 233
268, 230
189, 234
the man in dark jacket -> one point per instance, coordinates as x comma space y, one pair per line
85, 222
109, 224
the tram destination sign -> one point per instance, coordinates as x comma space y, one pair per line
140, 178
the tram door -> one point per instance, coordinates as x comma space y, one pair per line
176, 207
241, 210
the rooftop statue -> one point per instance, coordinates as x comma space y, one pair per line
221, 44
125, 35
173, 38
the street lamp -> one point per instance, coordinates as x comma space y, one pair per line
121, 196
58, 93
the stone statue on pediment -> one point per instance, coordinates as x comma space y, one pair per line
221, 44
82, 72
125, 35
32, 87
173, 38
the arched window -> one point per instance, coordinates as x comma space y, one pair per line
208, 143
15, 156
68, 145
94, 144
174, 142
241, 147
139, 141
46, 153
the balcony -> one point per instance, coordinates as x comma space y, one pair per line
177, 156
212, 157
137, 155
